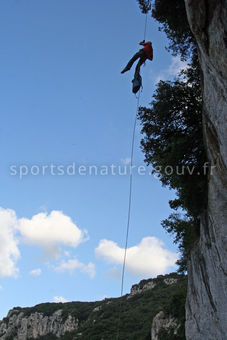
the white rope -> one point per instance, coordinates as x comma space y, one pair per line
130, 197
145, 28
130, 194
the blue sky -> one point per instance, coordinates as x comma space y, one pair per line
65, 103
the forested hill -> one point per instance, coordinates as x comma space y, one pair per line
160, 300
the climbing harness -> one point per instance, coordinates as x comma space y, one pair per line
145, 11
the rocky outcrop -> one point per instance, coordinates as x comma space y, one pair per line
145, 285
138, 289
170, 281
163, 322
21, 327
206, 307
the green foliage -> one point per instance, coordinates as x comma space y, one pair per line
173, 145
46, 308
172, 16
136, 313
145, 5
6, 320
186, 232
173, 142
79, 310
173, 19
169, 335
172, 129
176, 308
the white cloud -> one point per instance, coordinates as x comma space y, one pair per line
61, 299
1, 287
176, 66
148, 258
72, 264
172, 71
9, 252
35, 272
51, 231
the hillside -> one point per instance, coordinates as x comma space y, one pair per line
99, 320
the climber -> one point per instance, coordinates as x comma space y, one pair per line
145, 53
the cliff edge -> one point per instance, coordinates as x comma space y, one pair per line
206, 307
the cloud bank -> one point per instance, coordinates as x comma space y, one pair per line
148, 258
48, 232
9, 252
173, 70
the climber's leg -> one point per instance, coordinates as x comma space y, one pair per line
142, 60
138, 55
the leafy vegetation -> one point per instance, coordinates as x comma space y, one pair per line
174, 23
136, 312
173, 145
173, 141
145, 5
172, 131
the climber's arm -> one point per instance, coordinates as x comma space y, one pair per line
142, 43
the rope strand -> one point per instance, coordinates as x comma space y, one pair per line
130, 199
129, 214
130, 194
145, 28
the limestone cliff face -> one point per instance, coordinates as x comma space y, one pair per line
145, 285
163, 322
206, 307
21, 327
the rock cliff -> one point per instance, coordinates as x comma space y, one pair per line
145, 285
206, 307
164, 322
21, 327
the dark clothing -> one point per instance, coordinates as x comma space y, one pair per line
136, 83
142, 55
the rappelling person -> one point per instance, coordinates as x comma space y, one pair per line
145, 53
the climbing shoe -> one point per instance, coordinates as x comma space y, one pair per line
125, 70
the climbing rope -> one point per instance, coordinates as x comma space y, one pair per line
129, 213
145, 28
130, 197
130, 194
